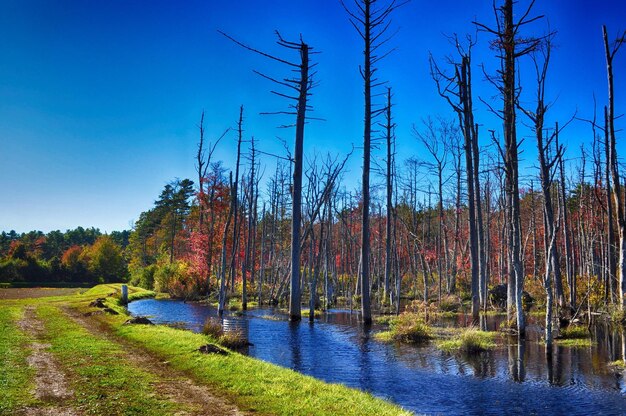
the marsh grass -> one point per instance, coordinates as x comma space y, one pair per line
213, 327
407, 328
574, 332
469, 340
233, 340
317, 313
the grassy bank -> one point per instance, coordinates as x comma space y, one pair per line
251, 383
102, 379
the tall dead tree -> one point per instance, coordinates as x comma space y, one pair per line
610, 52
457, 90
548, 160
302, 85
389, 130
251, 227
205, 202
222, 294
511, 46
235, 203
372, 23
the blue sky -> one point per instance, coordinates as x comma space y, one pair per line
100, 100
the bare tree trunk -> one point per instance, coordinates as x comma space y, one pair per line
235, 203
388, 248
296, 201
617, 192
222, 295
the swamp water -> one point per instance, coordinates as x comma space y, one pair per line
514, 379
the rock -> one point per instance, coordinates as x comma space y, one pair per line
111, 311
98, 303
139, 320
212, 349
92, 313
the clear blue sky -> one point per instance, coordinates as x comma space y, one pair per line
99, 100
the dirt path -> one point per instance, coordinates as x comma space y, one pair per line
172, 384
51, 386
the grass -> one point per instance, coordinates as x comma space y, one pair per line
385, 319
316, 314
250, 383
574, 336
103, 381
233, 340
574, 332
16, 377
618, 364
253, 384
408, 328
574, 343
470, 340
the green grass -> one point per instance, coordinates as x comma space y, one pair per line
470, 340
103, 381
250, 383
254, 384
574, 343
16, 377
316, 313
574, 332
408, 328
385, 319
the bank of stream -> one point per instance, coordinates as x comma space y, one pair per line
512, 379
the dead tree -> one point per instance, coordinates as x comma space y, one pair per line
511, 46
205, 202
251, 223
301, 85
548, 160
222, 295
372, 23
389, 130
235, 203
457, 90
610, 52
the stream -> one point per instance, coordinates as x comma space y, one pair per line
514, 379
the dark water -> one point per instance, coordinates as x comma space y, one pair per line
513, 380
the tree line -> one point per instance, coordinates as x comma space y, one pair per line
78, 256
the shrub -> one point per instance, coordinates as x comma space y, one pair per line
233, 340
213, 327
450, 303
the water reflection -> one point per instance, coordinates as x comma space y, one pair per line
516, 379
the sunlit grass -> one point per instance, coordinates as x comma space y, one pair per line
251, 383
408, 328
469, 340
